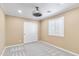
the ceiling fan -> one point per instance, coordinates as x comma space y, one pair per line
36, 12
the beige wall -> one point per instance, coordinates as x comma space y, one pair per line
71, 39
14, 29
2, 31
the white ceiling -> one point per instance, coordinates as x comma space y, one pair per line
27, 9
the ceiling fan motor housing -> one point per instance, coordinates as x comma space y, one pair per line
37, 13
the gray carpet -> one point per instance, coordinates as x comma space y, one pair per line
35, 49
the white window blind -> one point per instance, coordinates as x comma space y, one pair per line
56, 27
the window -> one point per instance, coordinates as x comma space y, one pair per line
56, 27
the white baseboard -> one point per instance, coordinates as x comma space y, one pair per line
61, 48
15, 45
19, 44
3, 51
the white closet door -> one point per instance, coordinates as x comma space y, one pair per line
30, 32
